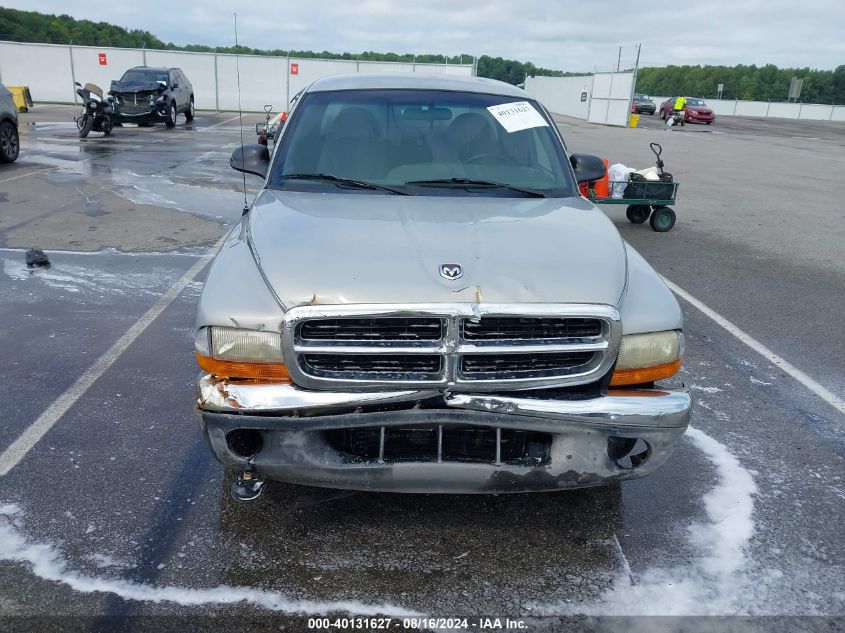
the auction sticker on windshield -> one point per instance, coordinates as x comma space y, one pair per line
516, 116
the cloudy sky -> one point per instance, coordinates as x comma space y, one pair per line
558, 34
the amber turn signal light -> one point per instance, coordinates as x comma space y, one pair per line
239, 369
645, 374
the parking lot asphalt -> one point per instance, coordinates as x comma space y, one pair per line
120, 510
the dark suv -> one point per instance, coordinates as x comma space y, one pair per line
146, 95
642, 104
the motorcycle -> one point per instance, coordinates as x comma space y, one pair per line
98, 113
676, 117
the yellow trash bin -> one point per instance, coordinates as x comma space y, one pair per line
633, 120
21, 96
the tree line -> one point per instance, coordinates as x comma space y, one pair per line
759, 83
743, 82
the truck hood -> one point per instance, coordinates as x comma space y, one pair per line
361, 248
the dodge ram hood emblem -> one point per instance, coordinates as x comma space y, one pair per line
451, 271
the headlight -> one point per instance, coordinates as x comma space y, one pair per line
236, 353
93, 105
644, 358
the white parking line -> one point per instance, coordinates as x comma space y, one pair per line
825, 394
27, 174
12, 456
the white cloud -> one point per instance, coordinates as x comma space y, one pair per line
550, 33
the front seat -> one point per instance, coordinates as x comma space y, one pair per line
353, 147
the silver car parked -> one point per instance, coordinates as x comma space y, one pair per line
419, 300
9, 140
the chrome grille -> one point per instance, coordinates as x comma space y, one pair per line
474, 347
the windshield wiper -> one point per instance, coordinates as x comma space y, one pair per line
349, 182
481, 183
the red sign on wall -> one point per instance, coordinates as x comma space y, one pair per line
294, 69
102, 58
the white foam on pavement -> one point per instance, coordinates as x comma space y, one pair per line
48, 563
713, 582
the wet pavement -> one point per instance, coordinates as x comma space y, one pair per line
120, 510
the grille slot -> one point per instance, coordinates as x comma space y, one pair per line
497, 328
406, 366
488, 366
447, 443
390, 329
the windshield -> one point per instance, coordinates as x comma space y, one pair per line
422, 142
143, 75
694, 102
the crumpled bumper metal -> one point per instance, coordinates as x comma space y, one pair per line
293, 423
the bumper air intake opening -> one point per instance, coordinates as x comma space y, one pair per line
444, 443
627, 452
245, 442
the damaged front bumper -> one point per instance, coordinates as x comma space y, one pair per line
430, 441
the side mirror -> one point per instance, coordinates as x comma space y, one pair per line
588, 168
251, 159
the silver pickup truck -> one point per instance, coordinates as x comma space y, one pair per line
419, 300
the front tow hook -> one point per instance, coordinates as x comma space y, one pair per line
247, 487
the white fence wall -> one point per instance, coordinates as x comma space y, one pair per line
50, 69
611, 102
785, 110
771, 110
750, 108
562, 95
45, 69
608, 96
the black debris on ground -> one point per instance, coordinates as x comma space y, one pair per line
35, 258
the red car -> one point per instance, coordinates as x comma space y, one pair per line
695, 111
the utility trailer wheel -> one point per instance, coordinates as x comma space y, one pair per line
637, 213
662, 219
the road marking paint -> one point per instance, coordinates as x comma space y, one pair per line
822, 392
12, 456
186, 132
27, 174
